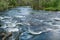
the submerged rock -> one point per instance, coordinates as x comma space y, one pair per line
2, 30
25, 36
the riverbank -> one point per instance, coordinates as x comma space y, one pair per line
50, 5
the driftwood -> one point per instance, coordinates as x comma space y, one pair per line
6, 36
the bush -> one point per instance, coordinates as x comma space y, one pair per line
3, 5
12, 2
35, 4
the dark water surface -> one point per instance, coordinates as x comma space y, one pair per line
28, 24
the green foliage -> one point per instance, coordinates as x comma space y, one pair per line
35, 4
12, 2
49, 4
51, 9
3, 5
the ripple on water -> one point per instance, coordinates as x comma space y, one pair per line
25, 36
44, 24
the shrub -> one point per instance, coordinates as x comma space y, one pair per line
3, 5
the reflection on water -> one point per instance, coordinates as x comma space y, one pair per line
29, 24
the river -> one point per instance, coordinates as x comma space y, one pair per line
28, 24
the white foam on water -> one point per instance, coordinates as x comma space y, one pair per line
22, 23
1, 18
57, 25
11, 25
12, 29
56, 18
35, 32
4, 26
48, 23
26, 23
19, 16
58, 12
8, 22
7, 17
41, 20
19, 23
32, 32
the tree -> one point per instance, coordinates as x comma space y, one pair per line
35, 4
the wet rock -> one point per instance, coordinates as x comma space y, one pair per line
2, 33
7, 36
1, 23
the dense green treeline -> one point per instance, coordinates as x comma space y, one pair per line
5, 4
35, 4
51, 4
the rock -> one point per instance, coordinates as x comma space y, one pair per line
1, 23
6, 37
2, 33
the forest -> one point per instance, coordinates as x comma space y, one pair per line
35, 4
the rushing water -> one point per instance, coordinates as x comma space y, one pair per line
28, 24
